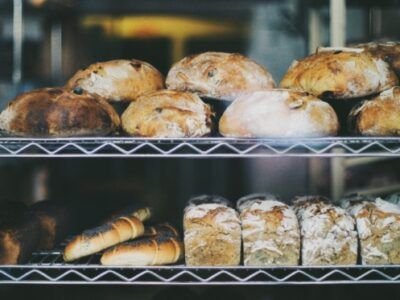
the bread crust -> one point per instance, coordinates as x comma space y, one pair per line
340, 74
379, 116
118, 80
218, 75
167, 114
278, 113
56, 112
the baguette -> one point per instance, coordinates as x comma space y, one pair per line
94, 240
138, 210
163, 229
145, 252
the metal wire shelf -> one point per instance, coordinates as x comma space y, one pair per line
197, 147
49, 268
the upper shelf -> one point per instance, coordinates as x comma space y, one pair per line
197, 147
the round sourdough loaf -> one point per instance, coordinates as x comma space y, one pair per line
341, 73
118, 80
379, 116
167, 113
218, 75
278, 113
58, 112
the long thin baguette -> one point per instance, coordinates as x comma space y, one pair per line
160, 250
94, 240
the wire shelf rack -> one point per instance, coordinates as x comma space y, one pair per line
49, 268
197, 147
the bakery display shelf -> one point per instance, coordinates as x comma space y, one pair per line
197, 147
49, 268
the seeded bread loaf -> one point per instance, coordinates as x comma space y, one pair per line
328, 233
212, 235
270, 231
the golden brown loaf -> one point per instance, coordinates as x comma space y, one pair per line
379, 116
163, 229
102, 237
167, 114
218, 75
278, 113
56, 112
145, 252
340, 74
118, 80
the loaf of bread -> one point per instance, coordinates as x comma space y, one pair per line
378, 226
118, 80
341, 73
94, 240
156, 251
379, 116
328, 233
278, 113
167, 114
218, 75
212, 234
137, 209
163, 229
56, 112
270, 231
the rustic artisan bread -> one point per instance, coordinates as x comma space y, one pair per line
159, 250
387, 51
118, 80
270, 231
328, 233
340, 74
278, 113
379, 116
56, 112
212, 235
378, 226
218, 75
167, 114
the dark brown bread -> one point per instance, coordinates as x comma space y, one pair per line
56, 112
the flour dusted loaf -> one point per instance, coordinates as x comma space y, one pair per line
212, 234
379, 116
218, 75
118, 80
328, 233
378, 226
167, 114
270, 231
278, 113
56, 112
341, 73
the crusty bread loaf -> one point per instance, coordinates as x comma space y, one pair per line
270, 231
56, 112
137, 209
218, 75
328, 233
379, 116
341, 73
278, 113
212, 235
378, 226
118, 80
160, 250
167, 114
102, 237
163, 229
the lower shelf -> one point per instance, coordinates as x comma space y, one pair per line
49, 268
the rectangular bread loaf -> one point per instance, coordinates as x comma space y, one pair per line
270, 232
212, 235
378, 226
328, 233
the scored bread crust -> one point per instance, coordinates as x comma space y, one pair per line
118, 80
340, 74
167, 113
278, 113
379, 116
58, 112
218, 75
